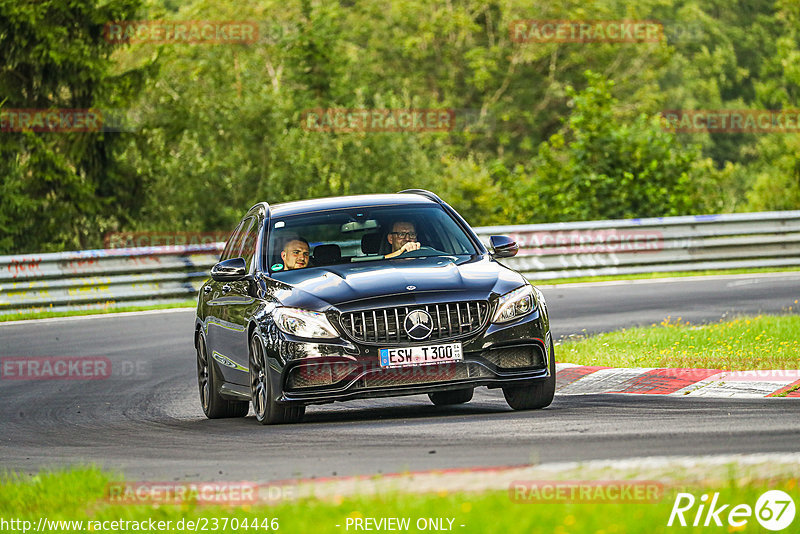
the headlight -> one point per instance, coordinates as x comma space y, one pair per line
303, 323
514, 304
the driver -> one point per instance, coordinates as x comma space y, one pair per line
403, 238
295, 253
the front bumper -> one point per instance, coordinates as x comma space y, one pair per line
497, 357
361, 387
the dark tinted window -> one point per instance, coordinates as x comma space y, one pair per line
361, 234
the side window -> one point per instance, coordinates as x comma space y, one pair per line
249, 238
231, 246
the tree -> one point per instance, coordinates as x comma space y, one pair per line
605, 165
61, 189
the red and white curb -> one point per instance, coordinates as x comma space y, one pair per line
583, 380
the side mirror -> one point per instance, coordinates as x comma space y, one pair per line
229, 270
503, 246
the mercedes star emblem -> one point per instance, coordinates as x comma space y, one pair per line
418, 324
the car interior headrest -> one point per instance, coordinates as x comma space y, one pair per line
327, 254
370, 243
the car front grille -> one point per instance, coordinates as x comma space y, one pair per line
327, 374
410, 376
385, 326
318, 374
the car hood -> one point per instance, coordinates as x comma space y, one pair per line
351, 285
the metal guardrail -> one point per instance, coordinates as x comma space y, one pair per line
142, 276
110, 278
662, 244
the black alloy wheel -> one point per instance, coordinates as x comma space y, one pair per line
266, 408
214, 405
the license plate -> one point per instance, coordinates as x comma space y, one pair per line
425, 355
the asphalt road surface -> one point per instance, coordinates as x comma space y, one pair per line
608, 306
145, 420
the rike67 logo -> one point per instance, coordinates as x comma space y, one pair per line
774, 510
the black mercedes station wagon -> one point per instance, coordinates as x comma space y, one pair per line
366, 296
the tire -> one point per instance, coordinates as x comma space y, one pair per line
268, 412
446, 398
536, 396
214, 405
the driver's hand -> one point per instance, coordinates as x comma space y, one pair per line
408, 247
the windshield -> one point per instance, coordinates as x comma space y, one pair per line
364, 234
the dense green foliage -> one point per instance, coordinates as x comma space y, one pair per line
603, 167
544, 131
61, 190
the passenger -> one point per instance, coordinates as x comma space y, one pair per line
295, 253
403, 238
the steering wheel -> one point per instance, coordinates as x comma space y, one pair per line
421, 251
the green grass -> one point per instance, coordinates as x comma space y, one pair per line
744, 343
653, 276
48, 314
786, 393
78, 495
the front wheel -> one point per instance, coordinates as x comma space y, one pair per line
535, 396
214, 405
267, 410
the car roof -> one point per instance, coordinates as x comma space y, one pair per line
354, 201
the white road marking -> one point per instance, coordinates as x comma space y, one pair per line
602, 381
95, 316
790, 275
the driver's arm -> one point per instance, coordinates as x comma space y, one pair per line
408, 247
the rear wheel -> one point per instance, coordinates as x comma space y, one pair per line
445, 398
535, 396
214, 405
267, 410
